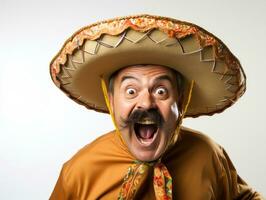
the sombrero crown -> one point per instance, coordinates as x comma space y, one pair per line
102, 48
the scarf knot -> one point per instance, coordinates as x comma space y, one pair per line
137, 175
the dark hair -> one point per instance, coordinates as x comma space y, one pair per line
111, 82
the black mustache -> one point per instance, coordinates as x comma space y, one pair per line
138, 115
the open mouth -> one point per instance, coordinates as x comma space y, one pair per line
146, 131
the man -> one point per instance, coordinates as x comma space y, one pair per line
159, 70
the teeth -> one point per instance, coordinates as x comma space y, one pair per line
146, 122
146, 142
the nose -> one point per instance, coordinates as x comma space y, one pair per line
145, 101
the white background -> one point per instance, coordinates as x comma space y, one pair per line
40, 128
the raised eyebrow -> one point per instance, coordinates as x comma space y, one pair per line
128, 77
164, 77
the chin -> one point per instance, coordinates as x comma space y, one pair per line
146, 156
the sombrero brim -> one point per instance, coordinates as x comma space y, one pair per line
102, 48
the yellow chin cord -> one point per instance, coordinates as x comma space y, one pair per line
187, 102
107, 101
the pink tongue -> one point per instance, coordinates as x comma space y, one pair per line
146, 132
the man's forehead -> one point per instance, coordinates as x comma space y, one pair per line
151, 71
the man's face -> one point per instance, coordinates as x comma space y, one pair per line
144, 103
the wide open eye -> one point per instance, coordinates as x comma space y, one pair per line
131, 92
161, 93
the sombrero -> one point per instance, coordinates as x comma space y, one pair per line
100, 49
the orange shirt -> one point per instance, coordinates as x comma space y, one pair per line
200, 169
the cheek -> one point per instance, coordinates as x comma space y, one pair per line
122, 108
174, 110
169, 111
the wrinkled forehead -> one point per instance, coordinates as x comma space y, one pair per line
145, 71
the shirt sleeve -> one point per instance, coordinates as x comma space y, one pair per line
233, 186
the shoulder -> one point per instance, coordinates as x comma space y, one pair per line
86, 159
197, 138
198, 144
93, 147
91, 157
203, 147
89, 165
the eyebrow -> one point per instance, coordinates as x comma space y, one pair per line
159, 78
128, 77
164, 77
